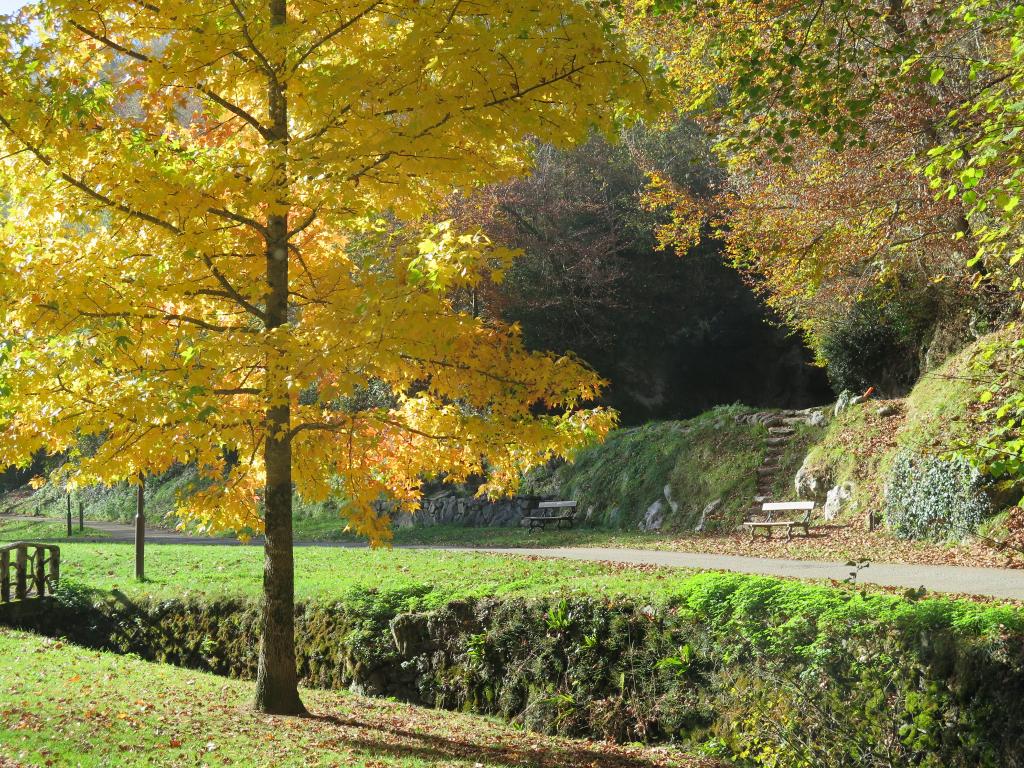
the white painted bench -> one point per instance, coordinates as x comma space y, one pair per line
769, 524
558, 513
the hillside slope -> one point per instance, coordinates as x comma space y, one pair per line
668, 473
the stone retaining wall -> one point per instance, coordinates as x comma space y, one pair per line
470, 512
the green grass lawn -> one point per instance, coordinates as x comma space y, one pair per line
25, 530
428, 578
61, 705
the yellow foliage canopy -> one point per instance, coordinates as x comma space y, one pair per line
158, 157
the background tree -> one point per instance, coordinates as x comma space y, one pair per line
825, 114
978, 164
197, 265
674, 334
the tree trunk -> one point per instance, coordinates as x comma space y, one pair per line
276, 678
140, 529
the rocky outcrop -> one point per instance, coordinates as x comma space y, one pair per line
709, 510
813, 482
838, 499
655, 516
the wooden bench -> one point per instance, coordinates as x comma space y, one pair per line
770, 523
559, 513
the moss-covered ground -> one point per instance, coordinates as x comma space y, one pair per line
712, 456
68, 706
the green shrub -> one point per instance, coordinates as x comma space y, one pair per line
935, 498
874, 344
999, 453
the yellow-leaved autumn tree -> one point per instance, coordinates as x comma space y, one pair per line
201, 261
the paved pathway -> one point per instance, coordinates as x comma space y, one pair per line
992, 582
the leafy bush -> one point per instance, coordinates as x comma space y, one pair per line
1000, 451
935, 498
874, 344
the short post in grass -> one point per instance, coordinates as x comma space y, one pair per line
140, 529
69, 514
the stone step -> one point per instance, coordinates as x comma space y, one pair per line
781, 431
778, 441
768, 469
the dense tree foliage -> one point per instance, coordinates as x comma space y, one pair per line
825, 114
874, 156
674, 334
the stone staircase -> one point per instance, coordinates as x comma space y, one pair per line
781, 429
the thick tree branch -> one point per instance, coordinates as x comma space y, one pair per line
464, 367
232, 292
237, 111
327, 426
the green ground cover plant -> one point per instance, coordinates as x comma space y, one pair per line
935, 498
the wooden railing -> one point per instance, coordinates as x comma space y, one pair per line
33, 570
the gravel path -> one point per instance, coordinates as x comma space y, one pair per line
990, 582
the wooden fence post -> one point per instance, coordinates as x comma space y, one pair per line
39, 577
81, 516
69, 514
54, 568
20, 566
5, 576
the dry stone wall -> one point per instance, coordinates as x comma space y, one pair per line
470, 512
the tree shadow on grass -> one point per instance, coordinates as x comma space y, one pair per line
526, 750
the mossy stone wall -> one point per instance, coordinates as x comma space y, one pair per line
766, 672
